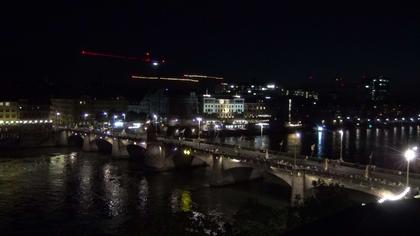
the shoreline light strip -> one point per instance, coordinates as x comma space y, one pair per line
18, 122
203, 77
395, 197
163, 78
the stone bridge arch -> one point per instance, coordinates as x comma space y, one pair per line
302, 186
75, 139
161, 156
89, 143
230, 171
373, 189
137, 150
104, 144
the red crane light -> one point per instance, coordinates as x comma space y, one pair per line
110, 55
146, 58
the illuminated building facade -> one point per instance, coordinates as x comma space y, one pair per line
256, 109
249, 89
34, 109
305, 94
62, 111
8, 110
224, 108
377, 89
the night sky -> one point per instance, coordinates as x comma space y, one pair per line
259, 41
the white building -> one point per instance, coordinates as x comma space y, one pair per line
223, 107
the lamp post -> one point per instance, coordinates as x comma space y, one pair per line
297, 135
155, 117
261, 131
341, 144
199, 119
105, 114
57, 114
261, 125
85, 116
409, 155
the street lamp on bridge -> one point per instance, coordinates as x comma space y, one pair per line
341, 132
261, 125
297, 136
199, 119
57, 114
85, 116
409, 155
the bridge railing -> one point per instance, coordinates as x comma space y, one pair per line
112, 135
260, 154
286, 155
317, 165
359, 180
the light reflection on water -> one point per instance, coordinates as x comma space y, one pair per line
88, 193
358, 139
181, 200
358, 143
320, 145
115, 192
143, 195
86, 188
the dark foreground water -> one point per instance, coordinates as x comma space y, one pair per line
64, 191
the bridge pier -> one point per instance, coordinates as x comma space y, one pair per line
88, 143
227, 171
63, 138
158, 157
118, 148
298, 188
217, 175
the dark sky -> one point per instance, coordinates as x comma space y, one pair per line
284, 41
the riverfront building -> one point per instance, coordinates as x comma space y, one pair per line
8, 110
62, 111
378, 89
167, 103
223, 107
256, 109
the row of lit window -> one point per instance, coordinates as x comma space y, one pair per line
226, 116
8, 116
256, 108
230, 106
24, 121
222, 110
5, 104
7, 110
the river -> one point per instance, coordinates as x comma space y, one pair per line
385, 145
64, 191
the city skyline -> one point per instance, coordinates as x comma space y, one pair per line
209, 118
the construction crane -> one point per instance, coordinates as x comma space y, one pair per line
145, 59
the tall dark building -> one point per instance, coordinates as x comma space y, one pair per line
377, 89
